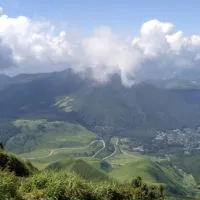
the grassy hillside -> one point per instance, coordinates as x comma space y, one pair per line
80, 167
62, 179
12, 164
152, 172
155, 173
190, 163
42, 135
127, 165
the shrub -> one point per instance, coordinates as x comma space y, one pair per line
8, 186
57, 185
60, 185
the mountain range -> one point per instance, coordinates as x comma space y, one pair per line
106, 108
70, 122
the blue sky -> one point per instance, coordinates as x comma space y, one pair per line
124, 15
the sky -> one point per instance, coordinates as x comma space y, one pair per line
141, 39
118, 14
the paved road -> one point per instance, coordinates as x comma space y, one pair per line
114, 152
104, 146
55, 151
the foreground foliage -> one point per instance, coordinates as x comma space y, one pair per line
21, 181
68, 186
13, 164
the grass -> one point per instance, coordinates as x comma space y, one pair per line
44, 142
80, 167
41, 135
42, 160
141, 168
68, 186
125, 157
190, 164
8, 186
176, 181
85, 180
65, 180
12, 164
53, 144
93, 161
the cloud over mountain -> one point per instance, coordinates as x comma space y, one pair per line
159, 51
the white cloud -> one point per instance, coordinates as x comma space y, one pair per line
105, 54
33, 42
160, 51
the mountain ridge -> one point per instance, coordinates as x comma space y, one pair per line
108, 108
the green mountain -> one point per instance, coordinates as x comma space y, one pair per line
176, 181
51, 118
21, 181
35, 135
80, 167
109, 108
77, 178
190, 164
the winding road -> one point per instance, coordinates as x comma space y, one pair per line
55, 151
114, 152
104, 146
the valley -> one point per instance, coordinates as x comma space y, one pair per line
62, 144
117, 157
115, 132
